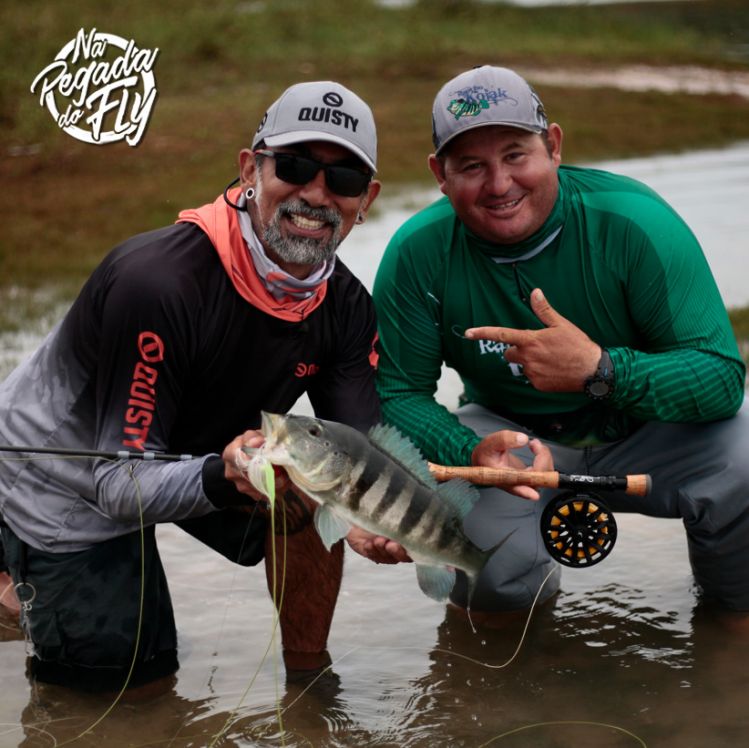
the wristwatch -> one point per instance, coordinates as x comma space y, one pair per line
600, 385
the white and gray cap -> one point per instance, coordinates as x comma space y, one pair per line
320, 110
485, 95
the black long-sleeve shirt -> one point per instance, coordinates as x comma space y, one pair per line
159, 352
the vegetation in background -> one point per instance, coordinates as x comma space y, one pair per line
740, 321
66, 203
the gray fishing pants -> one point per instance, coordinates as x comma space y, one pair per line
700, 474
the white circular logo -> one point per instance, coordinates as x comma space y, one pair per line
95, 98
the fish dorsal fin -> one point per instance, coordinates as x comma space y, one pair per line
401, 449
459, 494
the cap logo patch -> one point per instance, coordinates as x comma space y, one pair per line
470, 102
326, 114
332, 99
320, 111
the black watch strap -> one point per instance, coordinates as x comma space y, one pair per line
600, 385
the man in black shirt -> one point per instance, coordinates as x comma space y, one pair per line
177, 341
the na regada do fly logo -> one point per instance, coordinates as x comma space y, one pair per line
100, 88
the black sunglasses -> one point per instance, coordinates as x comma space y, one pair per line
345, 181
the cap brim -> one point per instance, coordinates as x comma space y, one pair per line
305, 136
514, 125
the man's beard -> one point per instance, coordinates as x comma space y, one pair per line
302, 250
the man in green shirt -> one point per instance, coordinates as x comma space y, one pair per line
578, 308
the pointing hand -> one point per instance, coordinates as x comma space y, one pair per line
557, 358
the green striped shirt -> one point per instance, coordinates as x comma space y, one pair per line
614, 259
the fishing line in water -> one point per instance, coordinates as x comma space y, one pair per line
207, 684
536, 725
522, 635
28, 726
266, 476
141, 601
563, 723
278, 596
442, 651
270, 481
278, 602
141, 605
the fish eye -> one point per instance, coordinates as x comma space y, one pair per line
314, 431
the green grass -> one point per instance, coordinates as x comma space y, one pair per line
740, 322
221, 63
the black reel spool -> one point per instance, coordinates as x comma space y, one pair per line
578, 529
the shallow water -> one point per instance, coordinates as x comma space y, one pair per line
621, 646
622, 657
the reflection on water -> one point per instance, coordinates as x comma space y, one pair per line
623, 656
622, 649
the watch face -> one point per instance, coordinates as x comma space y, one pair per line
598, 388
600, 385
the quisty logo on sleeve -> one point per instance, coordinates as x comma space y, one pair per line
142, 401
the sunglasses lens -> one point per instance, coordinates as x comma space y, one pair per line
346, 181
342, 180
295, 169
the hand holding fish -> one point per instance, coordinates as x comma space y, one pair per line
376, 548
557, 358
234, 454
494, 451
293, 509
377, 491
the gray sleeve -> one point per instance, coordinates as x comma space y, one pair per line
163, 491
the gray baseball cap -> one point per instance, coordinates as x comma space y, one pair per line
320, 110
485, 95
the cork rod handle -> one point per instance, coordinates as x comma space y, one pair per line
634, 485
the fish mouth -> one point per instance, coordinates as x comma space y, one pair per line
273, 426
275, 430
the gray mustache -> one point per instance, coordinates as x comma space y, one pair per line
333, 217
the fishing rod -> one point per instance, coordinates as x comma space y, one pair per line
638, 485
577, 527
635, 485
121, 454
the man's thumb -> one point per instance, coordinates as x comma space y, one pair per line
543, 310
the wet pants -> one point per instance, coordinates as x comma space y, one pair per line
700, 475
82, 610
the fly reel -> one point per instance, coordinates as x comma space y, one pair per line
578, 529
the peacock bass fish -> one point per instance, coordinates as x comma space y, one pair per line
381, 483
